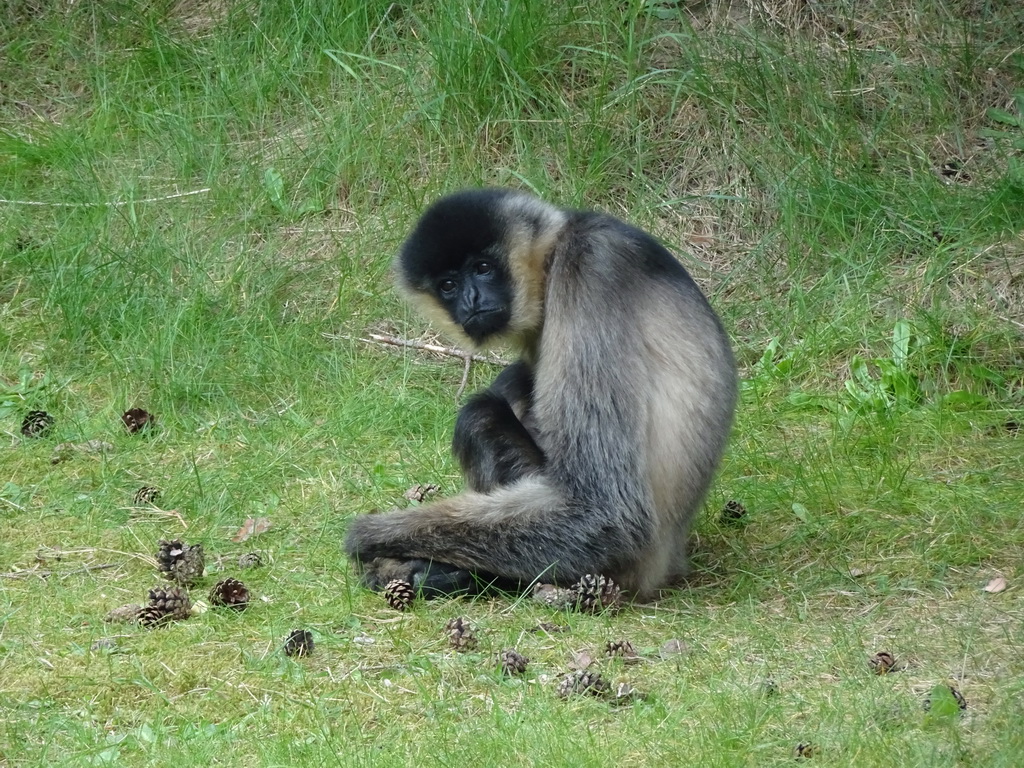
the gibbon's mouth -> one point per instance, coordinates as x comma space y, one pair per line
488, 322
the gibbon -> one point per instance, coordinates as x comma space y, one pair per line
594, 451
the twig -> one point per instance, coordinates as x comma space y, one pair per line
395, 341
44, 574
110, 204
465, 377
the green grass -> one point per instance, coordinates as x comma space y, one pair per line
200, 202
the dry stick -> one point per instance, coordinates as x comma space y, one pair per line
395, 341
44, 574
467, 357
465, 377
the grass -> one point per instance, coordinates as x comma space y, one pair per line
200, 201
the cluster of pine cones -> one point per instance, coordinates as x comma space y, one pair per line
593, 593
462, 636
184, 565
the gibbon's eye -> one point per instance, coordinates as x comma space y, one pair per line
483, 268
446, 286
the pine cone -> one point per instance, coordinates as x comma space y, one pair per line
512, 662
806, 750
419, 493
124, 614
399, 594
732, 512
583, 681
136, 419
147, 494
36, 424
169, 552
250, 560
299, 643
882, 663
152, 617
622, 649
556, 597
461, 634
181, 563
230, 593
594, 593
171, 604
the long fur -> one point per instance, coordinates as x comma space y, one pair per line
633, 399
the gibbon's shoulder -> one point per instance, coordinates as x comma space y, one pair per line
613, 244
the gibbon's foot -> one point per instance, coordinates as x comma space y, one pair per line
431, 579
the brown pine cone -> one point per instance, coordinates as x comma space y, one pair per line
136, 419
461, 634
512, 662
124, 614
419, 493
152, 617
36, 424
180, 562
299, 643
556, 597
581, 682
250, 560
594, 593
399, 594
147, 494
882, 663
732, 512
806, 750
170, 604
168, 551
624, 693
230, 593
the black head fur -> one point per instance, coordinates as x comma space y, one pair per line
453, 229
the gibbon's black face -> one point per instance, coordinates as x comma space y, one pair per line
456, 255
476, 296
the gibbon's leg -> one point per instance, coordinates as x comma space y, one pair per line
433, 579
494, 448
491, 442
429, 578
